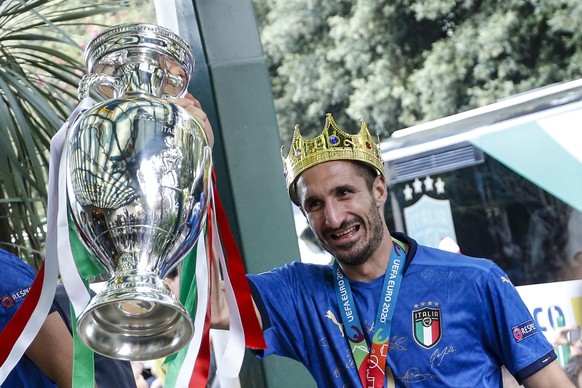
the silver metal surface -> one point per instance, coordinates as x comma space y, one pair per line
145, 58
138, 185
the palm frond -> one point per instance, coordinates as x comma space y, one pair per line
40, 69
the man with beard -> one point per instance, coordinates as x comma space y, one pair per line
388, 311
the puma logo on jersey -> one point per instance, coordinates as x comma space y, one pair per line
329, 314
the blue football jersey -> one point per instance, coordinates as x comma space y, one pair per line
457, 321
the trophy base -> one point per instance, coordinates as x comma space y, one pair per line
135, 317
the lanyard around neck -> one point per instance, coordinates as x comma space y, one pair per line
371, 364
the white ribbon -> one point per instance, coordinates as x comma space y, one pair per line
58, 243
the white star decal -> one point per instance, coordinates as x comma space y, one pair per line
428, 181
440, 186
417, 184
407, 193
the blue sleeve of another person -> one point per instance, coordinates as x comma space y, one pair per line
16, 278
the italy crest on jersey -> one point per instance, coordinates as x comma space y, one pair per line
426, 326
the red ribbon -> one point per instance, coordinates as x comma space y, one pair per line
12, 331
253, 333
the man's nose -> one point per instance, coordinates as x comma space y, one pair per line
333, 215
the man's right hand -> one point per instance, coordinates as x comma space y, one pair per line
193, 107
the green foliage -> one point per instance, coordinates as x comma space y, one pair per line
398, 63
40, 68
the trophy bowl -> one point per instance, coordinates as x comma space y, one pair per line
138, 185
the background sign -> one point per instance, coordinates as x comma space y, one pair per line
429, 221
549, 303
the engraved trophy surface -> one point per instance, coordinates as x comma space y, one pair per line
138, 185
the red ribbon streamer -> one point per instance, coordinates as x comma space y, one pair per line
11, 333
253, 333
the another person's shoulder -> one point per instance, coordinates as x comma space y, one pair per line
13, 261
15, 272
16, 278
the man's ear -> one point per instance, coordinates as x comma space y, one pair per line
380, 190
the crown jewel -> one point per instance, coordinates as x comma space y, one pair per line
331, 144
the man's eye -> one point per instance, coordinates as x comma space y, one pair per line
313, 205
344, 193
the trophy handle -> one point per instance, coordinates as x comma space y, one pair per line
174, 80
89, 80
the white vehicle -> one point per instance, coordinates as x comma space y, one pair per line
504, 182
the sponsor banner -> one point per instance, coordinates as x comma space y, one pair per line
554, 305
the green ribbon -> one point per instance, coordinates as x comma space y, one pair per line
83, 360
188, 297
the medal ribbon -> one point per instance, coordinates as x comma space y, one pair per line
371, 364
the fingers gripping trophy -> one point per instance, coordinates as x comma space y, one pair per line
138, 185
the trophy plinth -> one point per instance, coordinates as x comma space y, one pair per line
138, 188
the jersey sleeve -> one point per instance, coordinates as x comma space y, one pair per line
512, 332
275, 294
16, 278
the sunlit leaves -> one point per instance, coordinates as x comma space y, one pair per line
40, 67
398, 63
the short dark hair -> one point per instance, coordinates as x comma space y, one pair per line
367, 172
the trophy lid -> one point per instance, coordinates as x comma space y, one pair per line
138, 43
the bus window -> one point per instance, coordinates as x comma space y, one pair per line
502, 182
496, 214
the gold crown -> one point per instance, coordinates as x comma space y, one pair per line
331, 144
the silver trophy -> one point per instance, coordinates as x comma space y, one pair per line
139, 172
